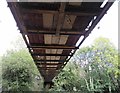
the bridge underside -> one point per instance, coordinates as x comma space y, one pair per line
51, 30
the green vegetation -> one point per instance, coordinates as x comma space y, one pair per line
19, 72
93, 69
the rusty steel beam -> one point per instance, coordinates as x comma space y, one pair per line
53, 32
38, 54
61, 16
49, 63
71, 10
42, 61
51, 46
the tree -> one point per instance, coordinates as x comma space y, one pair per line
93, 68
100, 62
19, 71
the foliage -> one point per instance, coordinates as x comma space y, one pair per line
19, 71
92, 69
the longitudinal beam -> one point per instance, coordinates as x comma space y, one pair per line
61, 17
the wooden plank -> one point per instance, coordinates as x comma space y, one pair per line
68, 22
53, 51
55, 39
47, 20
47, 40
50, 66
63, 40
75, 3
39, 57
59, 51
47, 51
